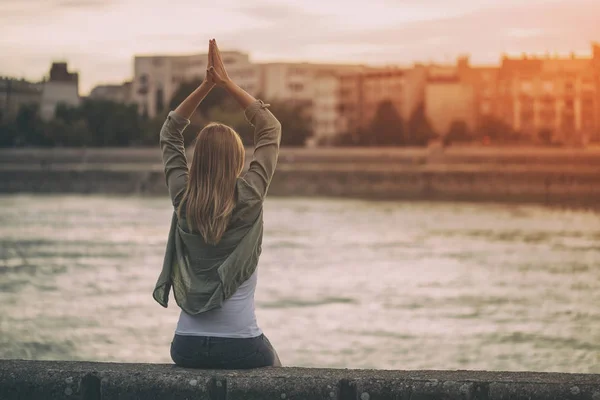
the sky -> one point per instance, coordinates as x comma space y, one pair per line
98, 38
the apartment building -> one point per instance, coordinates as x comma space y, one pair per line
117, 93
61, 87
451, 93
316, 88
363, 92
15, 93
558, 95
157, 78
448, 100
326, 118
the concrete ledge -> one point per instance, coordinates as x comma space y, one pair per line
50, 380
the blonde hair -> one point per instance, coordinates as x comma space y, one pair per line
209, 197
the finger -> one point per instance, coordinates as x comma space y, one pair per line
209, 61
213, 73
217, 51
211, 53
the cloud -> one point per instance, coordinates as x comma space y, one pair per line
277, 12
558, 26
23, 9
88, 4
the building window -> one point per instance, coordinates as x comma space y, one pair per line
569, 86
160, 102
296, 87
548, 86
486, 108
526, 86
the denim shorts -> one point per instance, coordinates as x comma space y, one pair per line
222, 353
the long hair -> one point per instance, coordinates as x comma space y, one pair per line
209, 197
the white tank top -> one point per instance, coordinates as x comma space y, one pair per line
234, 319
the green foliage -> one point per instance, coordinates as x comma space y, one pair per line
101, 123
458, 133
495, 130
217, 97
419, 130
387, 128
234, 119
295, 126
545, 136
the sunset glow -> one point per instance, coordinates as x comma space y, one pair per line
99, 38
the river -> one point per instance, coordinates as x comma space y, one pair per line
342, 283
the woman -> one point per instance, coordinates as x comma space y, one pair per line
216, 231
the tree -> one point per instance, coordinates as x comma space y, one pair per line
234, 119
295, 125
219, 106
217, 97
420, 131
387, 127
545, 136
110, 123
29, 127
458, 133
495, 130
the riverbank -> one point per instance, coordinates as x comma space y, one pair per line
568, 177
50, 380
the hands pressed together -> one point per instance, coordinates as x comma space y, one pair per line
215, 72
215, 75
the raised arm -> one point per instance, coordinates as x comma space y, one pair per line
267, 129
171, 139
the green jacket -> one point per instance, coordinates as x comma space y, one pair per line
202, 275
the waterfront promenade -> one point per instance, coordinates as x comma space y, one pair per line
49, 380
548, 176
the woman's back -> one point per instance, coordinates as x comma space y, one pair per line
216, 231
234, 319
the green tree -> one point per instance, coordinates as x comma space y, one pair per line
495, 130
217, 97
219, 106
110, 123
296, 126
419, 129
387, 127
29, 127
458, 133
545, 136
234, 119
71, 134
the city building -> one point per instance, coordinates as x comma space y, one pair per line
538, 97
363, 92
61, 87
350, 103
117, 93
552, 97
15, 93
157, 78
314, 87
326, 118
448, 100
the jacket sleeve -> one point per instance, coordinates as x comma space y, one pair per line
267, 138
173, 155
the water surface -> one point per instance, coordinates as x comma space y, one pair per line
342, 283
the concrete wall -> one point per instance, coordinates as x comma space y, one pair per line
570, 178
51, 380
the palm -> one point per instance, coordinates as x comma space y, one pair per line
216, 69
